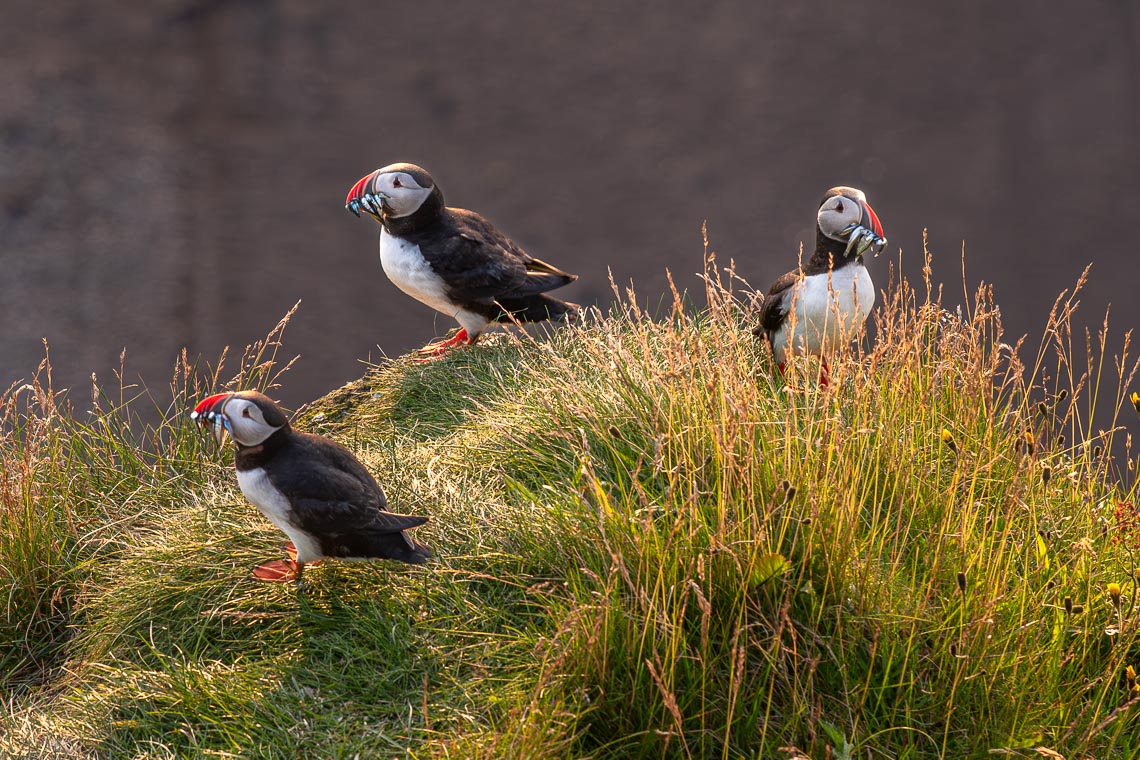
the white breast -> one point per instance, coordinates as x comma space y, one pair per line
829, 309
256, 486
410, 272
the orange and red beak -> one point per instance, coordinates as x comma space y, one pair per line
872, 220
211, 411
866, 234
361, 197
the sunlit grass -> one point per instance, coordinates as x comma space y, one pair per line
649, 545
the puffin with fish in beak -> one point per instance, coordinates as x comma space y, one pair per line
815, 309
312, 488
454, 260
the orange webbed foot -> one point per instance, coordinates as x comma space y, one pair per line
278, 571
433, 351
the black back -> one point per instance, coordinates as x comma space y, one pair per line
333, 497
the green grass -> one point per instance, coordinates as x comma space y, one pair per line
649, 546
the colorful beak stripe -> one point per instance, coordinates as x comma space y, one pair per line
357, 189
207, 404
876, 225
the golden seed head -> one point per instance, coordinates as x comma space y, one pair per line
1113, 590
1135, 398
947, 437
1130, 674
1029, 440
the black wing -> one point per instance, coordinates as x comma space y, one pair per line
339, 497
776, 304
479, 263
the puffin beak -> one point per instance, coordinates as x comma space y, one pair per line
211, 411
872, 220
361, 197
868, 234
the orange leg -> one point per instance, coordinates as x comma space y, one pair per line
824, 372
282, 570
279, 571
433, 351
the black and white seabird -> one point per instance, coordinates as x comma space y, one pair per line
311, 488
819, 307
452, 259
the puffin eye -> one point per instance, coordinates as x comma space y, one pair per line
396, 182
245, 413
839, 206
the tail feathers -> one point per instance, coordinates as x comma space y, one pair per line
540, 283
398, 546
380, 541
537, 308
540, 267
421, 553
412, 551
389, 521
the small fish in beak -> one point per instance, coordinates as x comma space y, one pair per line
211, 411
361, 198
862, 239
867, 234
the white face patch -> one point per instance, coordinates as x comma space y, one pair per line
838, 213
246, 421
402, 194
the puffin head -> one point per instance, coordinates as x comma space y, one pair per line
394, 191
844, 215
250, 417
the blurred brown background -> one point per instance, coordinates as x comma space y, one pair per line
173, 172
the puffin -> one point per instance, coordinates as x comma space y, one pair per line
454, 260
313, 489
814, 309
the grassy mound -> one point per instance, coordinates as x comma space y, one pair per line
648, 547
